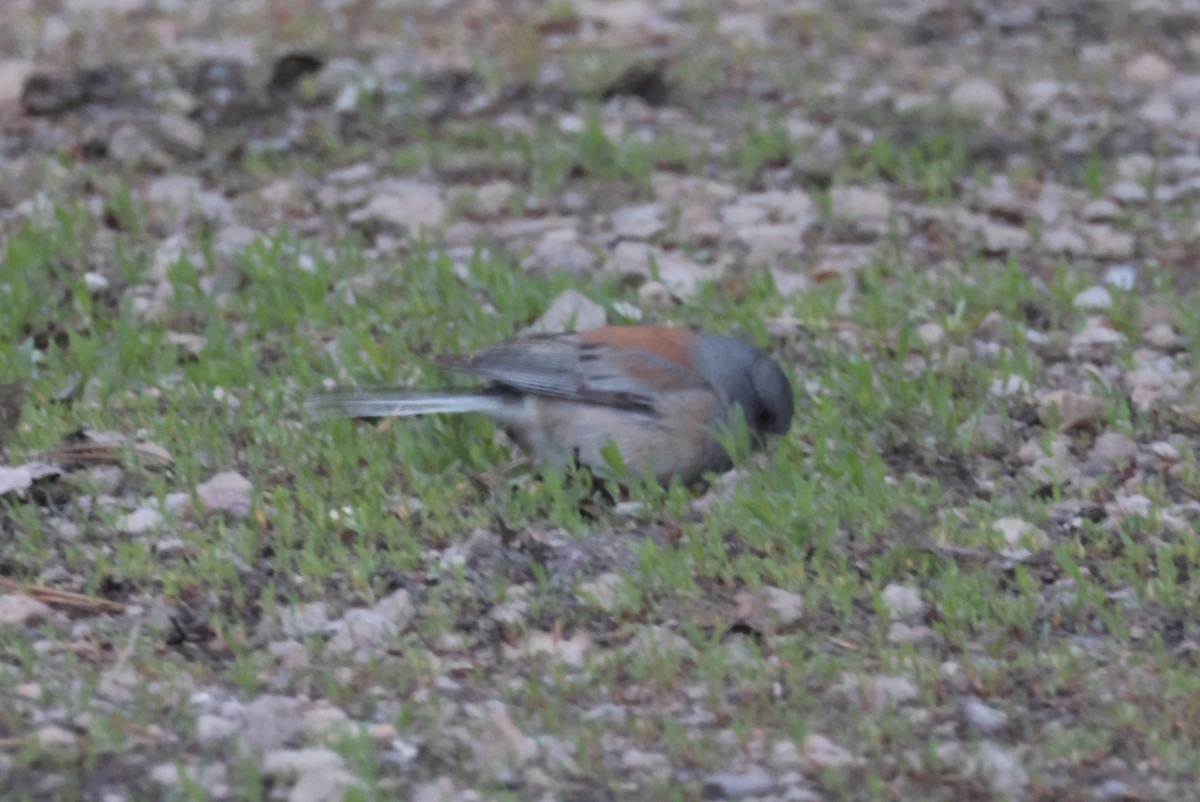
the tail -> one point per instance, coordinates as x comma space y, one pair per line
398, 403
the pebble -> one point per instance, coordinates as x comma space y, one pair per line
227, 492
820, 752
142, 520
902, 601
979, 96
1002, 771
769, 609
17, 609
363, 633
502, 750
639, 222
1070, 410
271, 722
740, 785
570, 311
1097, 297
1018, 533
983, 717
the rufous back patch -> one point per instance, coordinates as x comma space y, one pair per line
668, 342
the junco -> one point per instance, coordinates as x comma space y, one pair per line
658, 393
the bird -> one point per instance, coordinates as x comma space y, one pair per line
666, 397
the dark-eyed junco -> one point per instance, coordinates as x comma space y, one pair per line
658, 393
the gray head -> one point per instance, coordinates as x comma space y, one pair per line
749, 377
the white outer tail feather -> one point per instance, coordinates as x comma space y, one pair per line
398, 404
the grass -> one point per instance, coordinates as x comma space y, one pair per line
1081, 645
342, 509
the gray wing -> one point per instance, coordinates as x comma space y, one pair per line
561, 366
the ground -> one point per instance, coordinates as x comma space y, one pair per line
971, 570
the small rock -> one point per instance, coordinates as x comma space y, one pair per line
1114, 790
769, 244
362, 632
95, 282
326, 785
1002, 771
933, 337
1097, 297
570, 311
1097, 342
178, 503
1011, 386
56, 738
639, 222
1104, 242
571, 652
502, 749
181, 135
1101, 210
227, 492
868, 209
983, 717
212, 729
902, 601
1164, 451
396, 607
1112, 449
303, 619
492, 198
658, 640
1123, 277
652, 765
403, 206
191, 343
822, 156
561, 250
999, 238
1064, 241
988, 432
769, 609
1159, 110
1128, 192
1070, 410
637, 260
730, 785
1163, 337
1020, 534
900, 632
512, 610
823, 753
142, 520
130, 148
440, 790
979, 96
271, 721
20, 610
604, 592
13, 74
326, 719
1149, 69
880, 692
1135, 506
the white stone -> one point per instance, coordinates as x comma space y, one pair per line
570, 311
980, 96
902, 601
19, 609
227, 492
1096, 297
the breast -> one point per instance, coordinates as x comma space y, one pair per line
675, 442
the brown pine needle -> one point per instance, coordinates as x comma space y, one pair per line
64, 598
